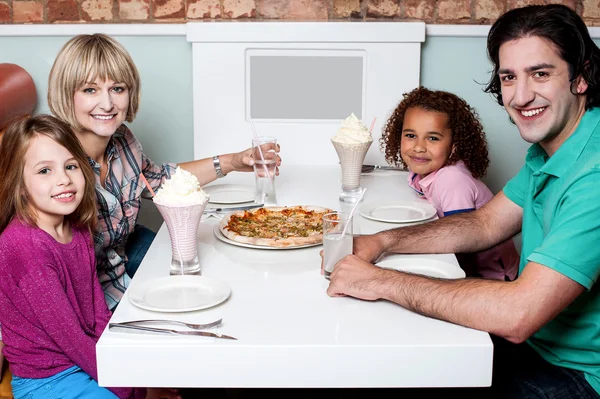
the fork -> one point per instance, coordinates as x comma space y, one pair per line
190, 325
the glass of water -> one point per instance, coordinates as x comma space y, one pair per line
265, 167
335, 244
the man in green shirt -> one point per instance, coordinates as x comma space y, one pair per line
547, 77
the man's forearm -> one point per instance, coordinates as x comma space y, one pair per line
465, 232
485, 305
513, 310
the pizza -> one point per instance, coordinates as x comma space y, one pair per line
276, 226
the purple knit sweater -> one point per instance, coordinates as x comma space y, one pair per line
52, 307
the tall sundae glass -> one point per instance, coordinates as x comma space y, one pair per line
181, 201
351, 142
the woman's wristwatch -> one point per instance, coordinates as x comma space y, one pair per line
217, 165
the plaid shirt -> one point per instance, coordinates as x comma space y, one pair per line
119, 203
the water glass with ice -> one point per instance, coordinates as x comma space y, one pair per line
335, 244
265, 167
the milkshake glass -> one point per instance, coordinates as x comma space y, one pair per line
351, 142
183, 222
181, 201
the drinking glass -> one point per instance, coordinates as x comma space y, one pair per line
264, 172
351, 158
182, 223
335, 245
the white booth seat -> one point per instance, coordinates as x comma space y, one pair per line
297, 81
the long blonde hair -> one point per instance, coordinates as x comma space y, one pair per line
14, 200
85, 58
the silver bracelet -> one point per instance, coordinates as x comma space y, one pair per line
217, 165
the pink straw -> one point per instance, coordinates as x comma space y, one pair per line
262, 158
372, 124
147, 184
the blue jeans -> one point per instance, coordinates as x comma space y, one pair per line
520, 373
137, 245
72, 383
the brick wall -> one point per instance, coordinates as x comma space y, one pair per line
170, 11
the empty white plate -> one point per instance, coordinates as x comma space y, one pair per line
178, 293
229, 193
398, 212
424, 266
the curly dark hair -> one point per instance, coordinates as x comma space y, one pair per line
468, 137
561, 26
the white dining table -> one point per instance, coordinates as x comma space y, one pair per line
289, 332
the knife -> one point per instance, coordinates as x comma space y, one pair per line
370, 168
235, 208
168, 331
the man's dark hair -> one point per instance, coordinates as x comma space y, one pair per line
561, 26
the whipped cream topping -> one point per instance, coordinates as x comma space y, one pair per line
352, 132
182, 188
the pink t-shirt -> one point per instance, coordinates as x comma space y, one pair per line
453, 189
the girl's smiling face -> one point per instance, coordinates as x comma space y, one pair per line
426, 142
53, 179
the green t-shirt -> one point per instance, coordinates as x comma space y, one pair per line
560, 197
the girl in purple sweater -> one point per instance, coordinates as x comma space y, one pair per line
52, 308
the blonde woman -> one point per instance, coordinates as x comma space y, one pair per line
95, 87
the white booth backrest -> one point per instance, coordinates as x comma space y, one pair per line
297, 81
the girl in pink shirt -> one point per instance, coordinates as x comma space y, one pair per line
437, 136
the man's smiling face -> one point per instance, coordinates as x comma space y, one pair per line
536, 91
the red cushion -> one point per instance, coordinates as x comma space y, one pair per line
17, 93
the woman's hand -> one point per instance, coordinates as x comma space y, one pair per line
244, 161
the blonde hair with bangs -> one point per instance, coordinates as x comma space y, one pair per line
14, 199
86, 58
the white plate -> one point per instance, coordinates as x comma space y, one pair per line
221, 237
229, 193
427, 267
398, 212
178, 293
